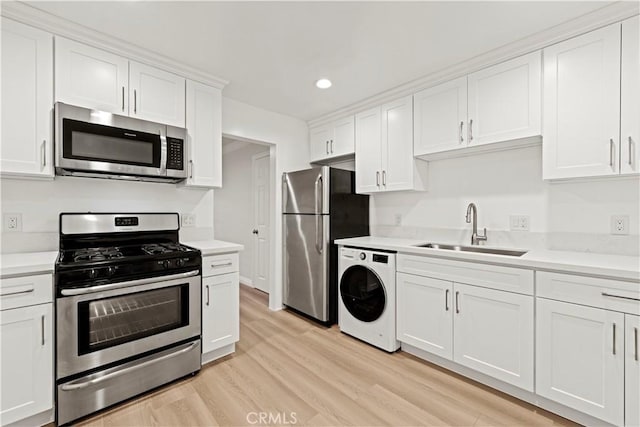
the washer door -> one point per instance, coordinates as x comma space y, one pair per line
362, 293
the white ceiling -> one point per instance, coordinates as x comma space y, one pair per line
273, 52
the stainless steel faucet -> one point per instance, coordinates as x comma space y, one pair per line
475, 237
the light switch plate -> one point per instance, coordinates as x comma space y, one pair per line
620, 225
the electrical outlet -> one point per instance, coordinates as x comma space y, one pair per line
12, 222
188, 220
620, 224
398, 219
519, 223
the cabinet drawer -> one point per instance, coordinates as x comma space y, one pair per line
24, 291
219, 264
603, 293
485, 275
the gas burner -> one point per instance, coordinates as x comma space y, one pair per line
97, 254
163, 248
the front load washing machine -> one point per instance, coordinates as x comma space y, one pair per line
367, 302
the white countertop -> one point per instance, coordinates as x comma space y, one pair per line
213, 247
22, 264
614, 266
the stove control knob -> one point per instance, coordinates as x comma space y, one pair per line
363, 255
92, 273
111, 271
165, 263
180, 262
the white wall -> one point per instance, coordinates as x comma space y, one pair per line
290, 151
233, 210
40, 203
564, 215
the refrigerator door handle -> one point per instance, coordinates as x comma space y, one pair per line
319, 235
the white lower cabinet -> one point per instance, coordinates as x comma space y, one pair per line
632, 370
27, 362
580, 355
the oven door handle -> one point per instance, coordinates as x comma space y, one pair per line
110, 286
79, 385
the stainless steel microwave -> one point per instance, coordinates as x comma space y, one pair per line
98, 144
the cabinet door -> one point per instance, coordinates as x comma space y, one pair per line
368, 151
204, 130
580, 358
632, 370
425, 314
582, 105
493, 333
397, 145
343, 141
90, 77
27, 100
220, 311
156, 95
505, 101
630, 97
27, 362
319, 140
440, 118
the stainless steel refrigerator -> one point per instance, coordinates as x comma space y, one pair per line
319, 206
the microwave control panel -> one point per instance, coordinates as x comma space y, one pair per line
175, 153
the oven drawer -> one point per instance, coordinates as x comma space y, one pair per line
24, 291
219, 264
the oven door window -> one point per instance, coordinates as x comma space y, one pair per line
116, 320
99, 143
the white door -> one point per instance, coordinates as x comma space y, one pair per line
505, 100
397, 145
425, 314
344, 137
204, 129
630, 97
440, 117
27, 362
261, 235
582, 105
156, 95
319, 142
493, 333
580, 358
368, 151
220, 311
91, 78
27, 100
632, 370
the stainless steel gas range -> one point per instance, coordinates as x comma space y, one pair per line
127, 308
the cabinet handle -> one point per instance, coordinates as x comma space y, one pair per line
135, 102
384, 178
191, 169
332, 146
377, 178
605, 294
123, 99
470, 130
222, 264
207, 287
614, 339
43, 153
611, 152
446, 300
631, 152
635, 343
327, 146
460, 132
42, 327
28, 291
457, 302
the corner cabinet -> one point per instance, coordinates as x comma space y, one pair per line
332, 141
384, 149
26, 335
27, 101
220, 305
204, 130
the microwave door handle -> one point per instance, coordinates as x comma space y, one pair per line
163, 155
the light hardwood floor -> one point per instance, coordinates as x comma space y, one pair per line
291, 368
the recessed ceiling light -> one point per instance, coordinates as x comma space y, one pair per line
323, 83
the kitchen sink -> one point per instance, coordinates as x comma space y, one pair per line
478, 249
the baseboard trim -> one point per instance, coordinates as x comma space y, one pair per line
246, 281
217, 354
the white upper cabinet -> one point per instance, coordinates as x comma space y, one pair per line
582, 105
204, 129
368, 148
333, 140
440, 118
27, 101
504, 101
91, 78
156, 95
630, 97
